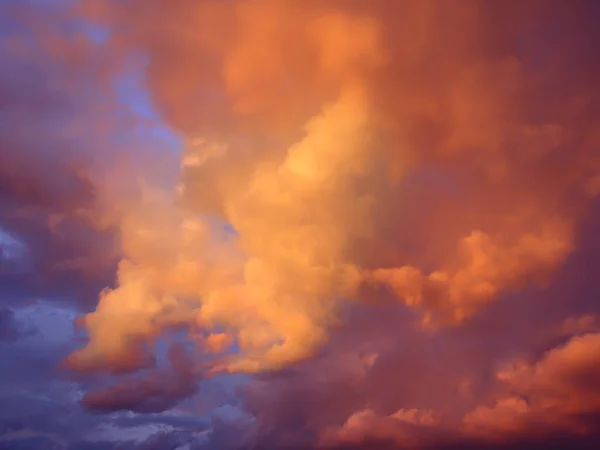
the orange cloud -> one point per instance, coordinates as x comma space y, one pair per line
486, 270
309, 127
403, 428
377, 203
557, 392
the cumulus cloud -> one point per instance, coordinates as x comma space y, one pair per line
487, 269
559, 391
312, 185
395, 428
373, 202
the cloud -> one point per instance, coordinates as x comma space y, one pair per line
48, 101
558, 391
9, 327
397, 427
378, 204
580, 324
58, 80
311, 185
487, 270
154, 391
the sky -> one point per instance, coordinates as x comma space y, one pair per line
299, 224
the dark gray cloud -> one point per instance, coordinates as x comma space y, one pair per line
9, 328
155, 390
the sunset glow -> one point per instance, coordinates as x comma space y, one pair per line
300, 224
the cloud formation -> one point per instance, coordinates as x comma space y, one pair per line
152, 392
379, 207
311, 186
556, 392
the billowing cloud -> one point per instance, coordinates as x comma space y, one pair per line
559, 391
378, 205
314, 186
397, 428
